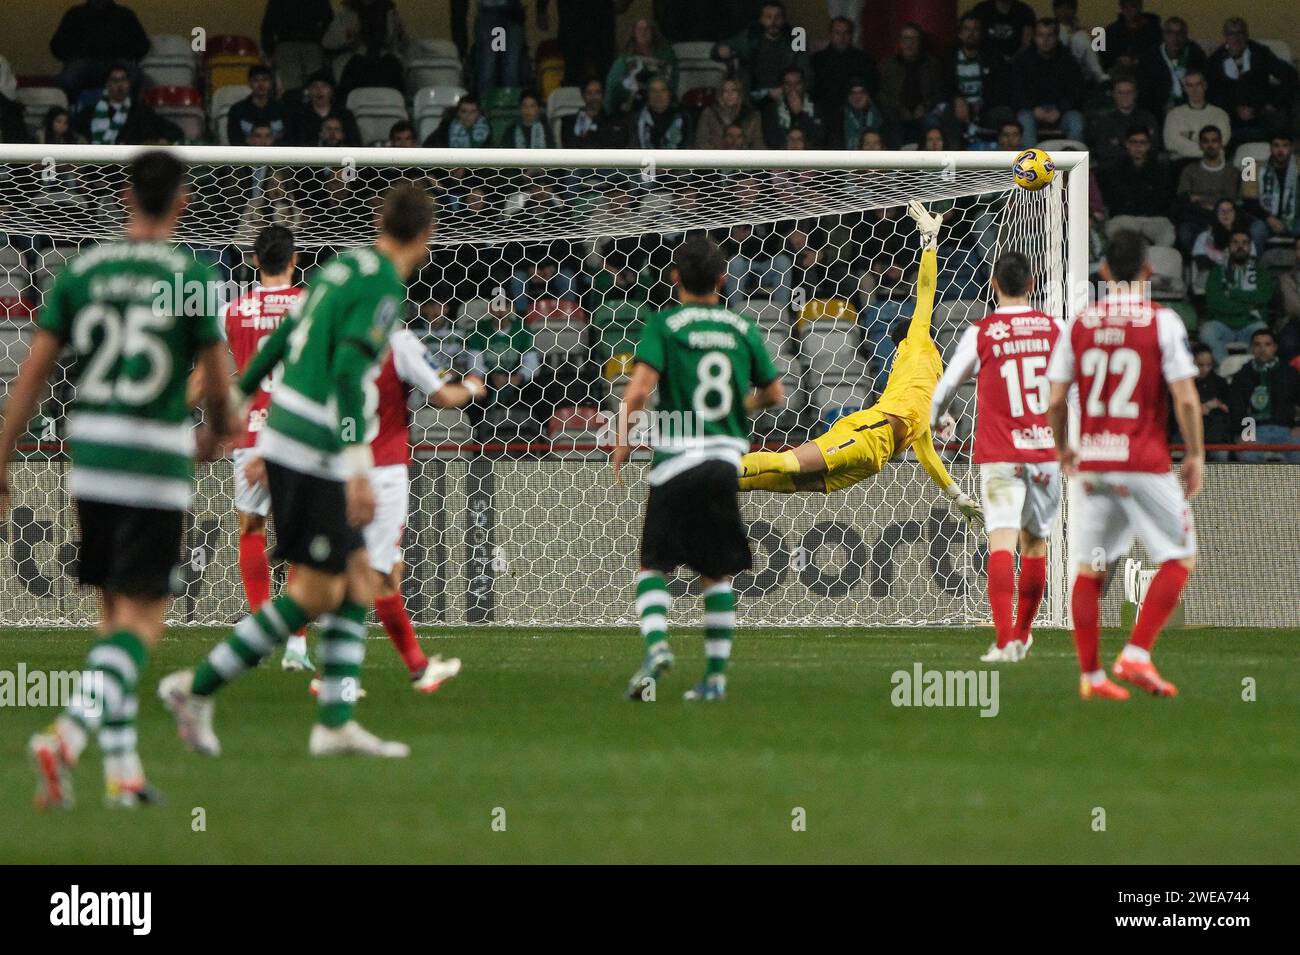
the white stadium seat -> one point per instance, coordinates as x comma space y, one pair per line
376, 108
1281, 49
562, 103
429, 105
1256, 151
37, 101
170, 61
222, 100
1167, 267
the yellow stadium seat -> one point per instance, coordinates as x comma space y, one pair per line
620, 366
828, 309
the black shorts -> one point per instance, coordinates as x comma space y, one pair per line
129, 550
694, 519
311, 520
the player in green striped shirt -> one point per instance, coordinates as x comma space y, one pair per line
712, 371
132, 446
316, 448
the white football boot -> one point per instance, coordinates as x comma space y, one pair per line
350, 739
193, 713
435, 673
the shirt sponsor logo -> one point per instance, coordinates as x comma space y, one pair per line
1105, 446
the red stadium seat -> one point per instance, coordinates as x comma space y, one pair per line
229, 45
698, 98
173, 96
580, 418
551, 310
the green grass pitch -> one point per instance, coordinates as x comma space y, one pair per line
535, 727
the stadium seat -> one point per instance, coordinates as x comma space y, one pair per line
695, 100
37, 101
1281, 49
1233, 364
1063, 146
429, 105
170, 61
227, 59
563, 102
694, 50
828, 310
439, 426
553, 310
501, 106
474, 311
620, 366
1167, 279
376, 108
432, 69
183, 105
222, 100
838, 398
559, 337
1257, 151
694, 74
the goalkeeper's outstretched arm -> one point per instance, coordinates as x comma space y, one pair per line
927, 278
933, 464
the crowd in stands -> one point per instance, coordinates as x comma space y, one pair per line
1192, 144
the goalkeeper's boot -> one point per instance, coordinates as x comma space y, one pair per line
1101, 690
295, 661
658, 660
130, 794
351, 740
1144, 676
50, 760
436, 672
193, 713
711, 689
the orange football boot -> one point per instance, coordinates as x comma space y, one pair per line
1105, 690
1144, 676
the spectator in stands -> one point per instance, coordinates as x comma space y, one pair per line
499, 39
291, 38
1237, 297
94, 37
1137, 191
586, 34
1212, 389
1164, 69
861, 116
257, 107
872, 140
119, 119
911, 85
1008, 26
502, 347
973, 75
321, 102
401, 135
646, 56
1202, 186
661, 124
463, 126
1289, 284
540, 276
1275, 205
1011, 136
795, 139
593, 126
1078, 41
1184, 123
531, 130
1130, 37
1048, 88
792, 110
619, 301
838, 66
1266, 391
760, 54
1250, 82
57, 129
1108, 129
13, 123
756, 264
729, 108
369, 33
1211, 246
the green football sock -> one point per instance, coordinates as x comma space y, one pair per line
652, 604
253, 640
342, 651
719, 625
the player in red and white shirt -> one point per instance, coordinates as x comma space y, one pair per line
1020, 483
408, 367
1128, 356
246, 323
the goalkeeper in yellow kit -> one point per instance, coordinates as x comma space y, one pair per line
859, 445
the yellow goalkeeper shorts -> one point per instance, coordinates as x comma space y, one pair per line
855, 448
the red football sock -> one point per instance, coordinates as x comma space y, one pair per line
1085, 604
254, 569
1162, 597
397, 624
1002, 587
1033, 581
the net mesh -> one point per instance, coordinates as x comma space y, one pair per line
540, 279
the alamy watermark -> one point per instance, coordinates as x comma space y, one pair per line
58, 688
958, 688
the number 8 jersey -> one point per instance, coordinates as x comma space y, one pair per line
1122, 352
1009, 349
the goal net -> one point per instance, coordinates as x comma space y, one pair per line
544, 267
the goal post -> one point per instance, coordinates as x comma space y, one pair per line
544, 265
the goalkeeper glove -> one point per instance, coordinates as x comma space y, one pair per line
927, 223
969, 507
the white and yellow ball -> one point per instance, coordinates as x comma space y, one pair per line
1033, 169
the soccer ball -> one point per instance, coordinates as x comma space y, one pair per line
1033, 169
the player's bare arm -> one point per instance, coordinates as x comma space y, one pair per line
1187, 409
23, 398
640, 387
1058, 418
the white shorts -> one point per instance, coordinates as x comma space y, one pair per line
1020, 496
384, 534
249, 498
1118, 506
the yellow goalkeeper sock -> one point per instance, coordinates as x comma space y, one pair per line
777, 483
769, 462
